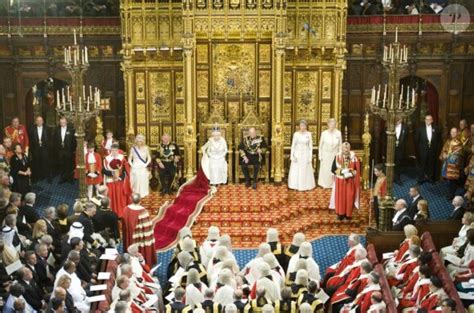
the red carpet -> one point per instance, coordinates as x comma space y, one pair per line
181, 212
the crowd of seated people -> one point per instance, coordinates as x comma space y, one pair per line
59, 8
410, 7
279, 279
48, 262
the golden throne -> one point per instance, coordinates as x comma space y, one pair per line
214, 120
248, 121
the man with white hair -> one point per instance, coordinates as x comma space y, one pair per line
306, 252
139, 266
209, 245
340, 281
335, 269
49, 217
28, 211
138, 228
177, 306
265, 280
362, 302
291, 250
209, 305
458, 211
401, 217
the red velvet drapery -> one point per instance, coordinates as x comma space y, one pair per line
432, 100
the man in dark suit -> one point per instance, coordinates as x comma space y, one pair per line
65, 144
401, 134
40, 145
49, 216
86, 220
43, 269
458, 211
30, 262
427, 140
415, 197
28, 210
106, 220
401, 217
33, 294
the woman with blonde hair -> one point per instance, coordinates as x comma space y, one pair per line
139, 160
39, 229
301, 176
329, 146
423, 213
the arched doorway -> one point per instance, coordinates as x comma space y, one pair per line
41, 100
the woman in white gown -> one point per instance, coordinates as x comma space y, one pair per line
214, 163
301, 175
329, 147
139, 160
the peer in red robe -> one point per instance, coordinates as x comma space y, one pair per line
138, 229
18, 134
346, 190
349, 258
116, 174
404, 272
363, 300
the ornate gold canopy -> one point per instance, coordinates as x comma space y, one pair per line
287, 57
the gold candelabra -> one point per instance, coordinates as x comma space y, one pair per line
79, 104
395, 102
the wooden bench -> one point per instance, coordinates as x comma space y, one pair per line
103, 306
438, 269
443, 233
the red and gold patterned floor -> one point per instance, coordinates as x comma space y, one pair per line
245, 214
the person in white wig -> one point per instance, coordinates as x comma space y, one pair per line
268, 308
276, 271
194, 289
225, 291
215, 264
251, 271
291, 250
231, 308
227, 264
301, 264
273, 239
300, 286
209, 245
265, 280
213, 162
186, 244
306, 252
305, 308
226, 241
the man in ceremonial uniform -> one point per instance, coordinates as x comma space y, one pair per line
7, 144
18, 134
93, 163
379, 190
117, 177
464, 134
252, 153
167, 159
346, 190
469, 171
40, 143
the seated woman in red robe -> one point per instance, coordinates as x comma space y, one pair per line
116, 175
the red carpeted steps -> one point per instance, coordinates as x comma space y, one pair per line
246, 214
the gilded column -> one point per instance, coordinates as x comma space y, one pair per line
189, 102
129, 101
277, 132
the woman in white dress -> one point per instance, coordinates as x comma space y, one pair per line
139, 160
214, 163
329, 147
301, 175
